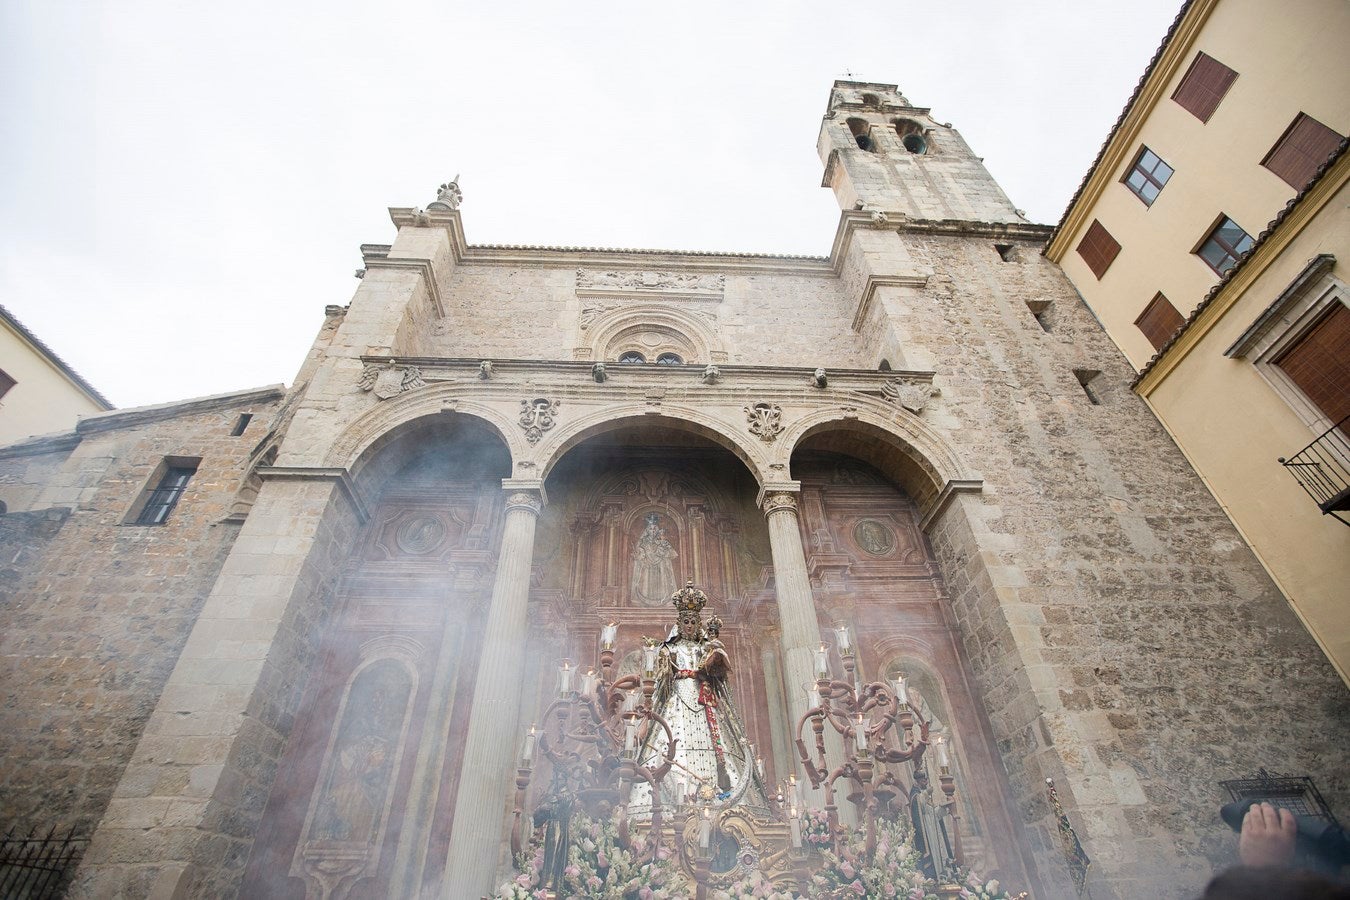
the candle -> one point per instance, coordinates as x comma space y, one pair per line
630, 735
901, 692
943, 760
527, 752
860, 732
842, 631
565, 677
822, 662
588, 682
812, 697
608, 635
630, 702
759, 767
705, 828
648, 660
795, 823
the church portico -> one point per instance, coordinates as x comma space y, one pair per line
499, 464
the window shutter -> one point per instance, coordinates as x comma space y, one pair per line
1159, 321
1203, 86
1320, 363
1301, 150
1098, 248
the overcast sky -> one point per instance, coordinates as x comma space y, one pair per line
184, 186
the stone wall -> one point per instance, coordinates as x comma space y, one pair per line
1128, 644
93, 612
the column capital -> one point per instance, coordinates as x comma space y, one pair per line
779, 495
523, 493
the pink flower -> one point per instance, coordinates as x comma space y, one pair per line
601, 860
645, 894
571, 871
663, 853
593, 883
847, 869
523, 880
858, 888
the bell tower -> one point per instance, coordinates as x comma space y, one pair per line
883, 153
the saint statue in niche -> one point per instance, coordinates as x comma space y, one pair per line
713, 757
653, 565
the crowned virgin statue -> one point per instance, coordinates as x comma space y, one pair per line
713, 758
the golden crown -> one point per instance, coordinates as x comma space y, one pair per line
689, 599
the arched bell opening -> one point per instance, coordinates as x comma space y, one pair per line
364, 791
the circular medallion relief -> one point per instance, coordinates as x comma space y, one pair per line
650, 338
420, 534
875, 537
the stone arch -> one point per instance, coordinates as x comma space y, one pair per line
564, 438
676, 331
913, 136
898, 445
387, 421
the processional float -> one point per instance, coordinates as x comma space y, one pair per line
613, 757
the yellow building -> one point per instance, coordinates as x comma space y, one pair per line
1209, 238
39, 392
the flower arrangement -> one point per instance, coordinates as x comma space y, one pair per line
597, 867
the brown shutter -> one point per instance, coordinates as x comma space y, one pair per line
1159, 321
1203, 86
1098, 248
1301, 150
1320, 363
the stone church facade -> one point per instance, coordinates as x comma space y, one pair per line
312, 678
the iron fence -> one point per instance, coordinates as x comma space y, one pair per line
38, 866
1323, 469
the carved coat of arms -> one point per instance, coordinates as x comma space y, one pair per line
390, 380
765, 420
537, 416
912, 395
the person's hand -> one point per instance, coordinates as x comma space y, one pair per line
1267, 837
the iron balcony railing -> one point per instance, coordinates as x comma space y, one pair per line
1323, 468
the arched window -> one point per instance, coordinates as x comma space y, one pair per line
911, 136
632, 356
871, 100
885, 366
862, 133
669, 359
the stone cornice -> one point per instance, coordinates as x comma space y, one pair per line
335, 474
569, 377
944, 499
881, 281
47, 443
143, 415
422, 266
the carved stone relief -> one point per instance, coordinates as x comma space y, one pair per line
764, 420
537, 416
651, 281
390, 379
909, 393
874, 536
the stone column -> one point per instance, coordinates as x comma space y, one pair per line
493, 739
779, 729
800, 631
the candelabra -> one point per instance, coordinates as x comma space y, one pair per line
592, 735
881, 732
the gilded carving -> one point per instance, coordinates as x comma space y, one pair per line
764, 420
390, 379
537, 416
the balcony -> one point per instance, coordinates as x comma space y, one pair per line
1323, 468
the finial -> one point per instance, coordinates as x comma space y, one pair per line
448, 197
